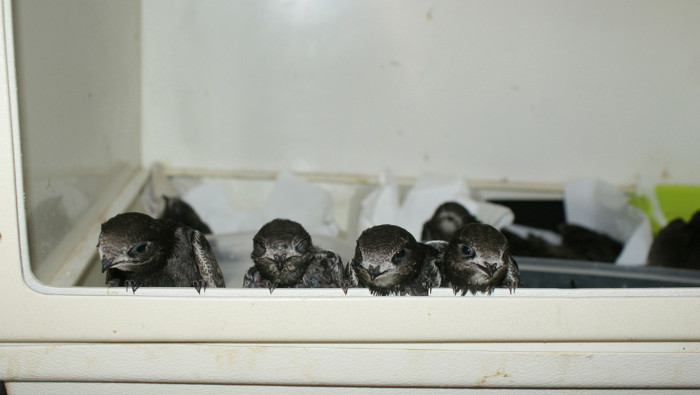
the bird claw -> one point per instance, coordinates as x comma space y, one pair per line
271, 286
429, 285
200, 285
462, 290
131, 284
349, 280
512, 283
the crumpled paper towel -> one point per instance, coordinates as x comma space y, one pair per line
291, 197
299, 200
382, 205
158, 185
210, 200
601, 207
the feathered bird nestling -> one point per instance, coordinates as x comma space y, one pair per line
677, 245
139, 251
389, 261
285, 257
448, 217
477, 259
179, 210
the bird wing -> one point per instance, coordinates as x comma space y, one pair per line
512, 277
250, 277
253, 279
325, 271
430, 270
439, 245
349, 278
206, 261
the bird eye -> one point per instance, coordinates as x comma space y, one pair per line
259, 247
139, 247
468, 251
400, 254
301, 247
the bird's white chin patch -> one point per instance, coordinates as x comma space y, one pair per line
385, 280
125, 266
481, 279
479, 276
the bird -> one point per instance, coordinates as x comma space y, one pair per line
477, 259
677, 244
577, 243
584, 244
137, 250
389, 261
285, 257
178, 210
448, 217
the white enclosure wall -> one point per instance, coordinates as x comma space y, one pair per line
79, 74
542, 91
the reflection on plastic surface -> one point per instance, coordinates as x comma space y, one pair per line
79, 115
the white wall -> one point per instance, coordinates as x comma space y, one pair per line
528, 91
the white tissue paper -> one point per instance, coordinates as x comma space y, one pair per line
301, 201
158, 185
291, 197
210, 201
601, 207
382, 205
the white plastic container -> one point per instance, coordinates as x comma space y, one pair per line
515, 97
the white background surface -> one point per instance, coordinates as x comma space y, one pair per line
527, 91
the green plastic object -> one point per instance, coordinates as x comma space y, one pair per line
673, 201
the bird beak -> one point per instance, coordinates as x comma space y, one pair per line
107, 263
374, 271
279, 261
488, 268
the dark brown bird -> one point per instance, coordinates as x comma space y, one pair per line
139, 251
477, 259
677, 245
177, 209
284, 257
448, 217
585, 244
389, 261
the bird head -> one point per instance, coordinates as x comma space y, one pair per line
132, 241
476, 252
448, 217
282, 250
386, 257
